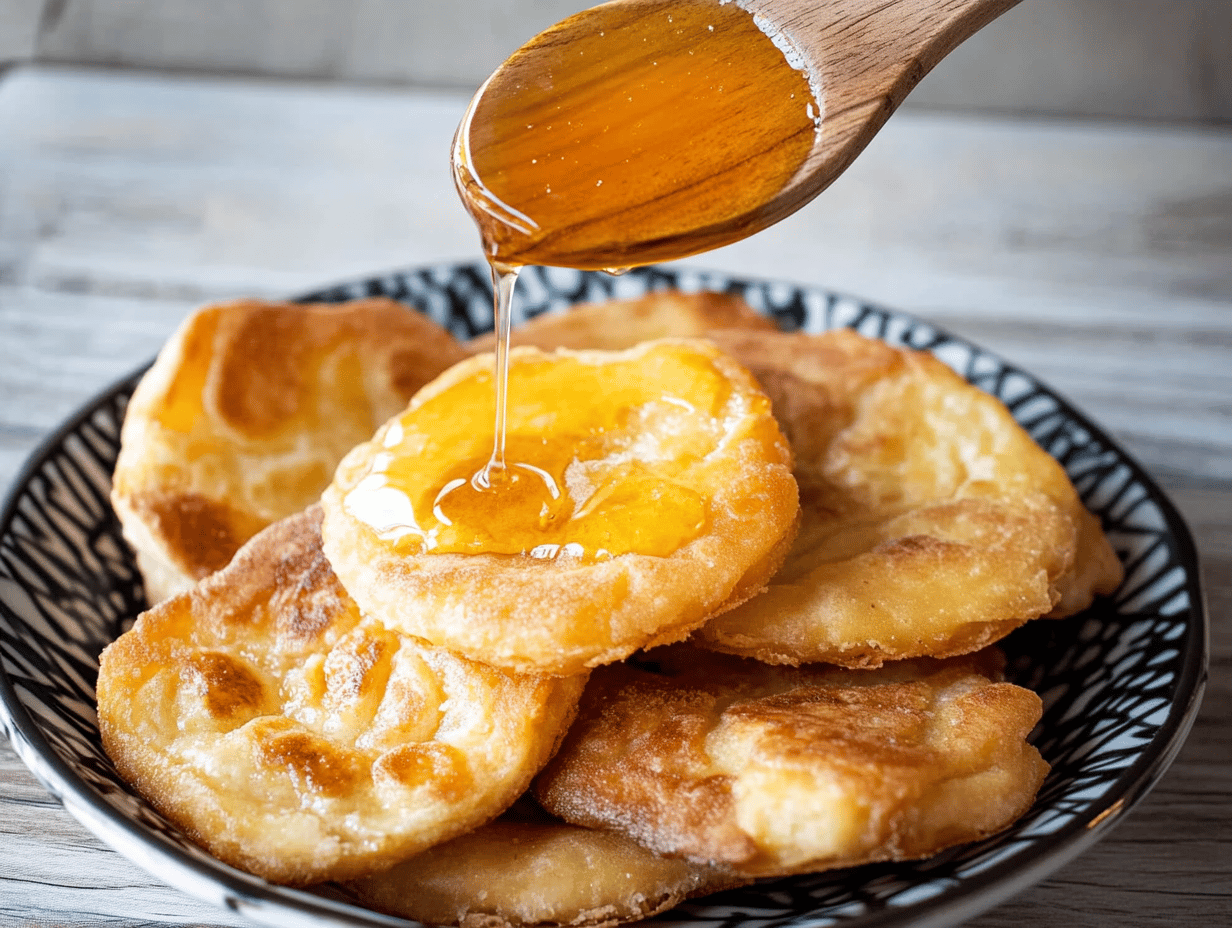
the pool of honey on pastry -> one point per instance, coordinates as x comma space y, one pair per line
583, 478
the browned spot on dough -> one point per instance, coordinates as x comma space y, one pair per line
316, 765
261, 381
439, 766
203, 532
231, 689
406, 372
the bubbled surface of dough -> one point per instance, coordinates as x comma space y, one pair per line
245, 414
931, 523
772, 770
298, 740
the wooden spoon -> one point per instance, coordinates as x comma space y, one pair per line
649, 130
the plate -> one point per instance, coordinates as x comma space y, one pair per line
1121, 682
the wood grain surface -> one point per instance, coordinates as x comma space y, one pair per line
1097, 256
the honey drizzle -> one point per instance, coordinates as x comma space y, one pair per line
616, 470
504, 280
498, 474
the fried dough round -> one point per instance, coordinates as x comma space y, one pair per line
672, 499
931, 523
617, 324
245, 414
524, 871
294, 738
774, 770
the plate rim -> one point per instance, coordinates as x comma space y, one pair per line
968, 897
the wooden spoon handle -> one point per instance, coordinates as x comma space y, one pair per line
891, 44
875, 51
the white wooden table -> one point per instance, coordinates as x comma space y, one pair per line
1098, 257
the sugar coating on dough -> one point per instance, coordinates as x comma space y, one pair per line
296, 739
561, 614
932, 524
245, 414
773, 770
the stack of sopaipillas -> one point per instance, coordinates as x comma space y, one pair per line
550, 735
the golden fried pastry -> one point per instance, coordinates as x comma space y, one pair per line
774, 770
642, 492
246, 413
617, 324
931, 523
298, 740
533, 870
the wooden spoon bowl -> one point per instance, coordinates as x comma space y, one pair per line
648, 130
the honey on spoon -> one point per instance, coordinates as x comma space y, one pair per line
649, 130
641, 131
607, 142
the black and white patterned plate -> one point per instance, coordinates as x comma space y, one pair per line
1121, 682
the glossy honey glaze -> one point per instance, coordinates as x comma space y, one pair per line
598, 459
634, 133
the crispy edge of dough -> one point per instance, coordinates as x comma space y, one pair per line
592, 780
1097, 569
427, 887
857, 364
871, 608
